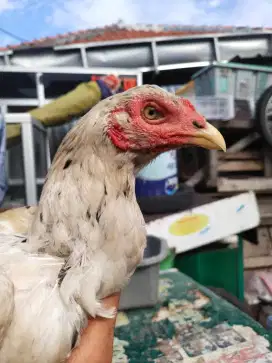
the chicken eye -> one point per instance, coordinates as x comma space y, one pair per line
152, 113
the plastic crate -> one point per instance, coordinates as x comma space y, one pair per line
220, 267
243, 81
168, 262
263, 82
143, 288
215, 81
214, 108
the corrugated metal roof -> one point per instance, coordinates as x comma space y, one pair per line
122, 32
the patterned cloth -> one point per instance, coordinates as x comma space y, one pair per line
190, 324
113, 82
104, 88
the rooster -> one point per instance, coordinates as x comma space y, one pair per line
87, 234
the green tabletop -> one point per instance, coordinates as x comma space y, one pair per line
190, 324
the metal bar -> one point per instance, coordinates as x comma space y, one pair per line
47, 150
3, 113
119, 71
270, 45
7, 163
22, 102
22, 118
6, 52
15, 118
84, 58
155, 56
19, 102
250, 67
183, 65
70, 70
40, 88
29, 163
162, 39
18, 182
41, 99
6, 59
3, 110
27, 124
216, 49
139, 79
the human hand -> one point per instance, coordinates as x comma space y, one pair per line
96, 343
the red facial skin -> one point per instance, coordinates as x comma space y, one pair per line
173, 129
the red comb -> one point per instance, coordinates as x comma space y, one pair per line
188, 103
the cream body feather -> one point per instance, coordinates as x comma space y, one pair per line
86, 238
87, 235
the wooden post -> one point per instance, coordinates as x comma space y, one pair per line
267, 161
244, 142
213, 166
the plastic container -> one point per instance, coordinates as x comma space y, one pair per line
215, 107
159, 177
245, 82
143, 288
217, 266
168, 262
263, 81
245, 85
214, 81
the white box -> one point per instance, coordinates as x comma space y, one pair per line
208, 223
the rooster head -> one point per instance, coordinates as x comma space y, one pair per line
149, 118
99, 157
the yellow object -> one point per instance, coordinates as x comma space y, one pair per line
13, 134
72, 104
13, 131
188, 88
189, 224
61, 110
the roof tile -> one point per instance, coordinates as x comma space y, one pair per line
120, 32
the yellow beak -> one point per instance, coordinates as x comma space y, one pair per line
209, 138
